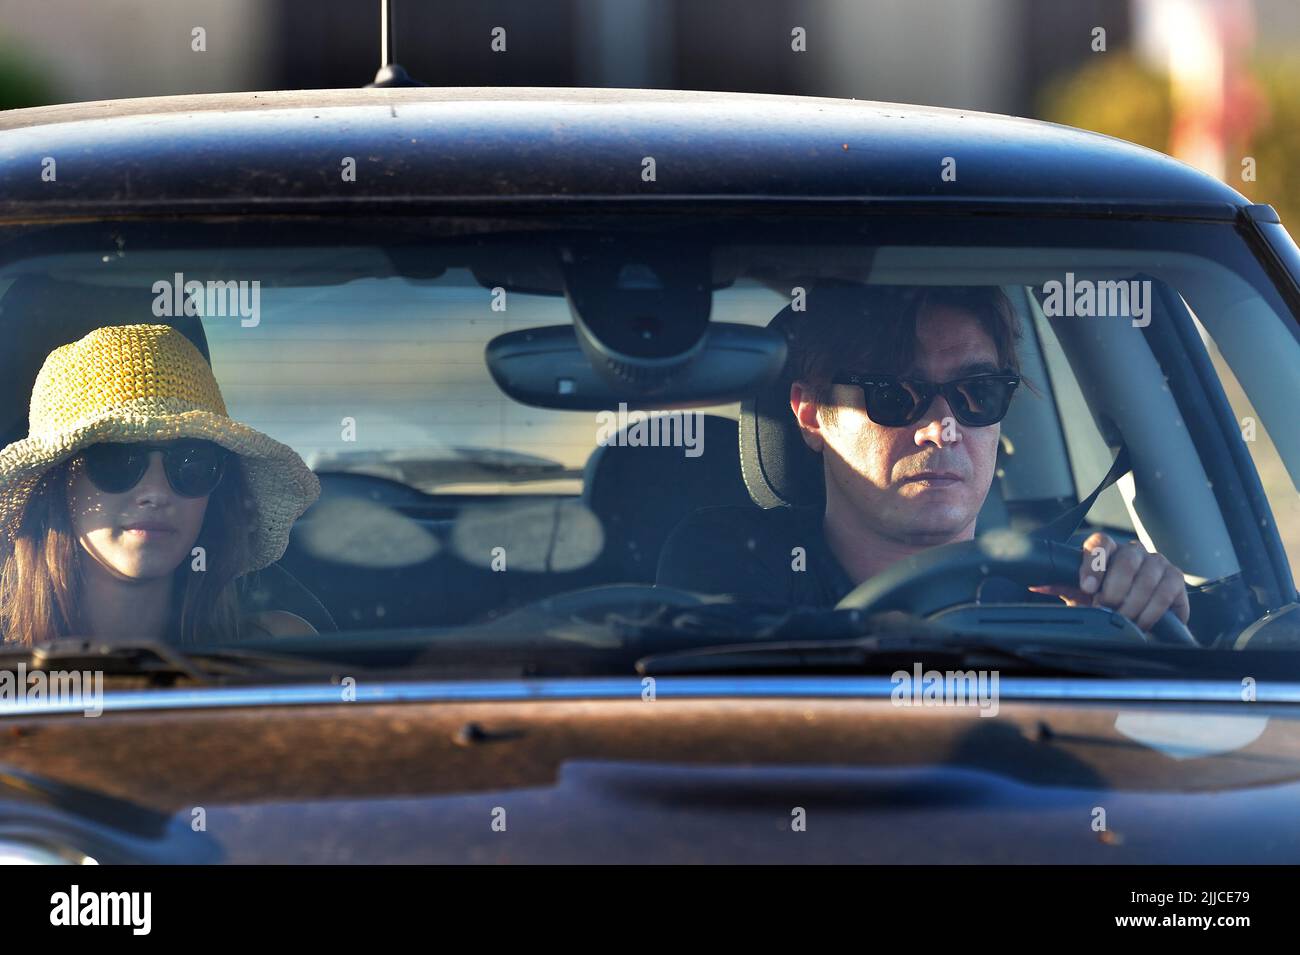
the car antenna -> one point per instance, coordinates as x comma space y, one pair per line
390, 73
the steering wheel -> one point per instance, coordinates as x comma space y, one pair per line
943, 576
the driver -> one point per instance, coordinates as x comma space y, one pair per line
902, 395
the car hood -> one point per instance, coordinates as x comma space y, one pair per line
710, 777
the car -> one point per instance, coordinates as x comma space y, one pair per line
521, 336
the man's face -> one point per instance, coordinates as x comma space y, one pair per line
876, 471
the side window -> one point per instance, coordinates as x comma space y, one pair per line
1281, 491
1089, 456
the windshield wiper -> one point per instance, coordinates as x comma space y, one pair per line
160, 661
874, 654
663, 633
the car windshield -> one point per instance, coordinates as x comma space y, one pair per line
535, 440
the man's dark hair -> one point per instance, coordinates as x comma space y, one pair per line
872, 328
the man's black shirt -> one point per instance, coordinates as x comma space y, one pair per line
777, 555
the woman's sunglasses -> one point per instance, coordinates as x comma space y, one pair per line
896, 402
193, 467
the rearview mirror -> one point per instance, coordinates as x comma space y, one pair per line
548, 368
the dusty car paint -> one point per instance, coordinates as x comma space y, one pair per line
665, 781
417, 148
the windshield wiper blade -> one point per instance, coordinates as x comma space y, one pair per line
142, 658
155, 659
875, 653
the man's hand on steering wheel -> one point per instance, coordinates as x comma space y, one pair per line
1137, 584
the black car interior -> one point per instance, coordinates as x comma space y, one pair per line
637, 496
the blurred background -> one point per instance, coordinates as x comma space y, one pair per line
1215, 83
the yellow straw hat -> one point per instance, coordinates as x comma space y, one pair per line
149, 383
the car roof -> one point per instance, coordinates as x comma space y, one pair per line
430, 146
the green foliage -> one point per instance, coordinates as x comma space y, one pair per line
1118, 96
20, 84
1115, 95
1276, 143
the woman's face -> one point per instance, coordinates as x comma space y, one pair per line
142, 533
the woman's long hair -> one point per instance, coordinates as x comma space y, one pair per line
40, 569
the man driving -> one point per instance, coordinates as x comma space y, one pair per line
901, 392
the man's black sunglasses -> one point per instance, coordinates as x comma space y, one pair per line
896, 402
193, 467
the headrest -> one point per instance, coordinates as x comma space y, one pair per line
778, 468
640, 493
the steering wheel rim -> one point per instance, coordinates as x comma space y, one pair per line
943, 576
